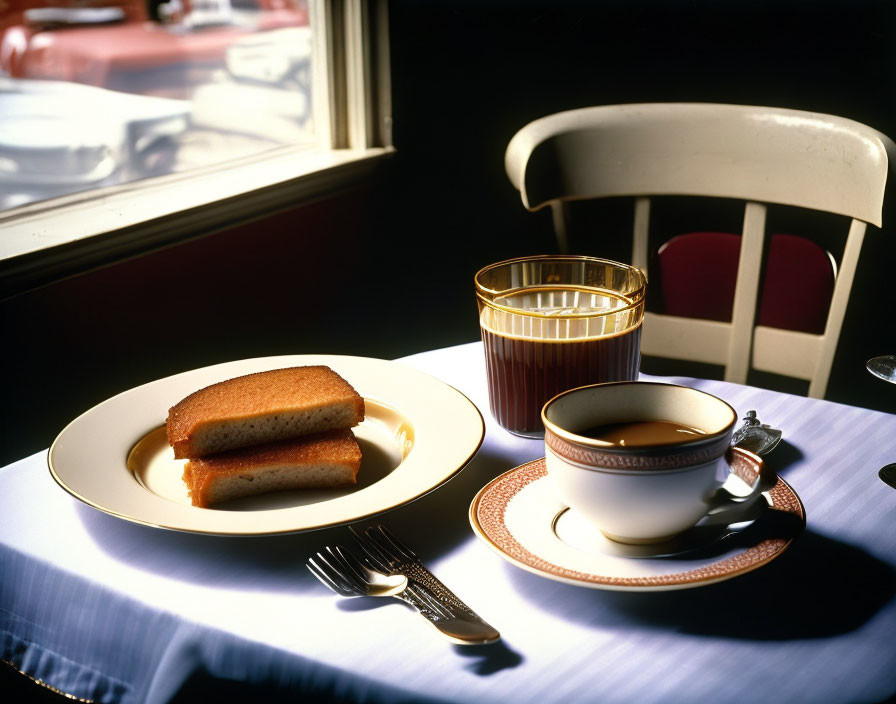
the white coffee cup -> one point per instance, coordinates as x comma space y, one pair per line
647, 493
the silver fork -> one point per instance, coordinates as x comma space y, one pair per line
342, 572
390, 556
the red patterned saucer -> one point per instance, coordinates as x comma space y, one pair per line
520, 516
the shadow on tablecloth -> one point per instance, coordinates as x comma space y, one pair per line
819, 588
433, 524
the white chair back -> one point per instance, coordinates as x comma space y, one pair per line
756, 154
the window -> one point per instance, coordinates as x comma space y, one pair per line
131, 124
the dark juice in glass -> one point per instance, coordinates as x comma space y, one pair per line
537, 345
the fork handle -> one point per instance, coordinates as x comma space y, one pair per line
461, 630
416, 572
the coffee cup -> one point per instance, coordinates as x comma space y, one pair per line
646, 461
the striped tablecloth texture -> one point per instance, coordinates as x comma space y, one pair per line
111, 611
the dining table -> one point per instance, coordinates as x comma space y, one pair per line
105, 609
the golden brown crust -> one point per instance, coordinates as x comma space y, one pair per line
239, 401
316, 452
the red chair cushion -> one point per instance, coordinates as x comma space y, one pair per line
697, 273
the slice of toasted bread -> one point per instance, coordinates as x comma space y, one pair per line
323, 460
261, 408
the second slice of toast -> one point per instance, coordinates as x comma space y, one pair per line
323, 460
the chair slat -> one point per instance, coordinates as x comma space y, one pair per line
746, 293
839, 301
685, 338
640, 238
788, 352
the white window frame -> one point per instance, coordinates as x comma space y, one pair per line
50, 240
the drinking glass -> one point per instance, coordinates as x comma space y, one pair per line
553, 323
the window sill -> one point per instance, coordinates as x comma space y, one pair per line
45, 242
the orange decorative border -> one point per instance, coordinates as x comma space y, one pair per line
490, 504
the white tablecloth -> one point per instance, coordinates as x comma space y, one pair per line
111, 611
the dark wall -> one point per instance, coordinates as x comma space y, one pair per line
386, 270
293, 283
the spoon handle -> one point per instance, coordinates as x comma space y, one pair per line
754, 436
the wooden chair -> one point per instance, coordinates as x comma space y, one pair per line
759, 155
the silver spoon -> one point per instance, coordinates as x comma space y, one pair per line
883, 367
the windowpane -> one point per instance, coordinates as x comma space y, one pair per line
113, 91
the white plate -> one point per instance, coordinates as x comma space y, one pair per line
520, 516
417, 433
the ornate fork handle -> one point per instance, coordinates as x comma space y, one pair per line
417, 573
459, 630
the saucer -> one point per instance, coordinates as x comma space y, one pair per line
520, 516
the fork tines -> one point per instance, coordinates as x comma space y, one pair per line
385, 552
323, 576
337, 570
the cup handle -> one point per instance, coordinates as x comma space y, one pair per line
726, 508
